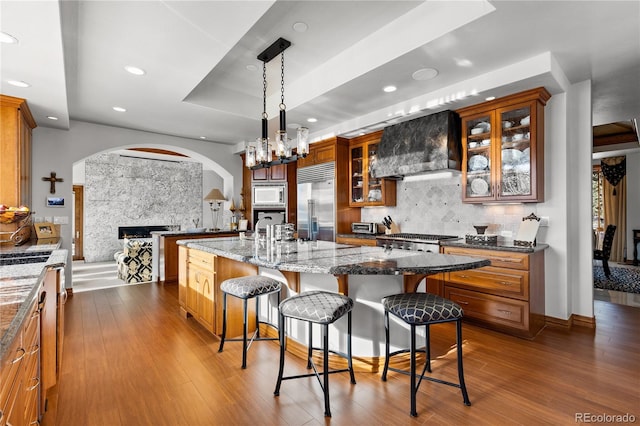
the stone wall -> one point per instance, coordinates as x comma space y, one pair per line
127, 191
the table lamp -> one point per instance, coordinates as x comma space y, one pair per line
215, 199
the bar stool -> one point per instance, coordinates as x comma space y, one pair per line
246, 288
320, 307
423, 309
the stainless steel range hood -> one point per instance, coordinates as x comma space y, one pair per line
420, 145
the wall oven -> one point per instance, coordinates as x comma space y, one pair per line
269, 195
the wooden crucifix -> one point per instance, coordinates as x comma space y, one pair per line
53, 179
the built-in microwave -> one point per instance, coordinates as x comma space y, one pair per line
269, 195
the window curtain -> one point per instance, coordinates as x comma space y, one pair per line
615, 202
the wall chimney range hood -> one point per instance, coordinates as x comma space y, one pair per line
420, 145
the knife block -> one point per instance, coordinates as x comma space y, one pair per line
395, 229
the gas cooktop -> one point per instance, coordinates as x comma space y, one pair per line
417, 237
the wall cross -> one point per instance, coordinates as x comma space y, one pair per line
53, 179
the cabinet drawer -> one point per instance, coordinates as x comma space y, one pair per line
356, 241
10, 367
201, 258
499, 281
494, 310
504, 259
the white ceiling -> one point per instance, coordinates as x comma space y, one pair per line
196, 53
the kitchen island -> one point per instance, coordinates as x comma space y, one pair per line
366, 274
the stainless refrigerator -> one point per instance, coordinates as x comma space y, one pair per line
316, 202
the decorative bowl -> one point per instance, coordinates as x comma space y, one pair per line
476, 131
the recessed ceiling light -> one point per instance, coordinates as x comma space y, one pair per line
203, 137
390, 89
51, 117
18, 83
251, 67
300, 27
7, 38
119, 109
425, 74
489, 98
312, 120
134, 70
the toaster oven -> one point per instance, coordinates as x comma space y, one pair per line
367, 228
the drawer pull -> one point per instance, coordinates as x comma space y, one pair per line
35, 350
507, 283
508, 260
34, 386
462, 302
20, 356
504, 311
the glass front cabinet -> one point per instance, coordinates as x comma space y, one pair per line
503, 149
365, 190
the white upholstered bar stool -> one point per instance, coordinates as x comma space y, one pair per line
246, 288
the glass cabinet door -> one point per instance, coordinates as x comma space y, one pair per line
357, 176
374, 185
478, 165
515, 152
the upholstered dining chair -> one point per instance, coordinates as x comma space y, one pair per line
605, 253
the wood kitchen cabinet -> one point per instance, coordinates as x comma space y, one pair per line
364, 189
16, 123
503, 149
199, 294
20, 374
273, 173
355, 241
507, 296
320, 152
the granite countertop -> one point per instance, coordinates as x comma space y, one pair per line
325, 257
19, 285
500, 246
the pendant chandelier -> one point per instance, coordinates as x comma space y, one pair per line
261, 154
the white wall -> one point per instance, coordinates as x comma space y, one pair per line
57, 150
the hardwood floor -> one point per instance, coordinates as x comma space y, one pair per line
130, 359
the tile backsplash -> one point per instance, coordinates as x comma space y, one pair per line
435, 206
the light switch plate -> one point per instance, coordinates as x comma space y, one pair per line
61, 220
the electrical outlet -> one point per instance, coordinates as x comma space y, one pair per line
544, 220
62, 220
48, 219
507, 234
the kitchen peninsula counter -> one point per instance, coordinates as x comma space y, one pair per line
325, 257
366, 274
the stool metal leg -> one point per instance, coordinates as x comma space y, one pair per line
282, 335
325, 348
427, 348
349, 358
244, 333
258, 316
224, 321
386, 346
310, 347
463, 387
412, 367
